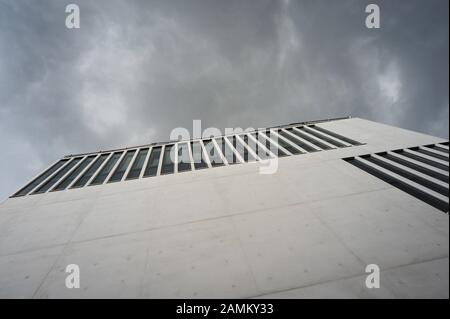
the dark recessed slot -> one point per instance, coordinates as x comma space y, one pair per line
417, 179
323, 137
424, 170
214, 156
271, 146
427, 198
311, 140
168, 165
91, 171
305, 146
227, 151
138, 163
184, 160
123, 165
425, 152
153, 162
438, 148
29, 187
423, 160
286, 145
198, 155
74, 174
53, 180
338, 136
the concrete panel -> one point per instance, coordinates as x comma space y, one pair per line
109, 268
199, 260
21, 274
423, 280
386, 232
289, 247
41, 227
348, 288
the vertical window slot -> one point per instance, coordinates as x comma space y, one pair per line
104, 172
138, 163
153, 162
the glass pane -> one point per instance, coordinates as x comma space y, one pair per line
121, 169
256, 148
227, 151
287, 146
41, 178
303, 145
198, 156
323, 137
312, 140
69, 179
237, 146
153, 162
213, 154
184, 161
53, 180
104, 172
168, 165
340, 137
245, 154
90, 172
271, 146
136, 168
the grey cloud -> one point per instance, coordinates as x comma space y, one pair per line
137, 69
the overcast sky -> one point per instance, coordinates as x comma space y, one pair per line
137, 69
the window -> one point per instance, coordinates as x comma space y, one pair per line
32, 185
214, 156
90, 172
226, 151
123, 165
426, 152
287, 146
302, 144
295, 141
53, 180
69, 179
256, 148
184, 160
424, 170
407, 174
132, 163
138, 163
340, 137
239, 147
168, 165
310, 139
422, 159
198, 156
153, 162
400, 184
104, 172
272, 147
243, 151
323, 137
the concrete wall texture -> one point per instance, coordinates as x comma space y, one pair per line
307, 231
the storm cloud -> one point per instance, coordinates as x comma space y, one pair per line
137, 69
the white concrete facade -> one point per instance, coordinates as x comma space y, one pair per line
307, 231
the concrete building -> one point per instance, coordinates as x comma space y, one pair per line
346, 193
